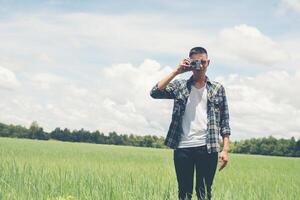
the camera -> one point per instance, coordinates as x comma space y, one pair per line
195, 64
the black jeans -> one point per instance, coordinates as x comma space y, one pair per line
185, 160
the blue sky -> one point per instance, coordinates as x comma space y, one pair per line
61, 61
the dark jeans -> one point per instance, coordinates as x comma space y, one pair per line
185, 159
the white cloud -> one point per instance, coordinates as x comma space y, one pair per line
45, 37
62, 40
119, 101
292, 4
8, 79
46, 80
245, 44
266, 104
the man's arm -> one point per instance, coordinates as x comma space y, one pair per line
225, 129
224, 121
226, 143
165, 89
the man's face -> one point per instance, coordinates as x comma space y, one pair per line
205, 62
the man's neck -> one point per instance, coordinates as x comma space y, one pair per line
199, 80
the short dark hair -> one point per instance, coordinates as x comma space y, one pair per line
196, 50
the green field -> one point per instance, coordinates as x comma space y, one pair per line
34, 169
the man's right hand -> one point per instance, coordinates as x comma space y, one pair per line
183, 66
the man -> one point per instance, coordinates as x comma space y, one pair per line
200, 115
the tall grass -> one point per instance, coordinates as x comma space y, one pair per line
53, 170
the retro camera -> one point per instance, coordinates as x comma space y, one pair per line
195, 64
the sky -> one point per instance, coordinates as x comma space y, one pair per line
91, 64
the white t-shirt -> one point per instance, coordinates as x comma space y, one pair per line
194, 122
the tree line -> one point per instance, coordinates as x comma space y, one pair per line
264, 146
37, 132
267, 146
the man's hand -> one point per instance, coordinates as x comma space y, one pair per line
183, 66
223, 156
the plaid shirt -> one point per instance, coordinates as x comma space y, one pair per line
217, 111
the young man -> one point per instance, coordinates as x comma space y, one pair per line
200, 115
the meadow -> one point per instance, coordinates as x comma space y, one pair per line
55, 170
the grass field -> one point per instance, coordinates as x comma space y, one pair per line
33, 169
